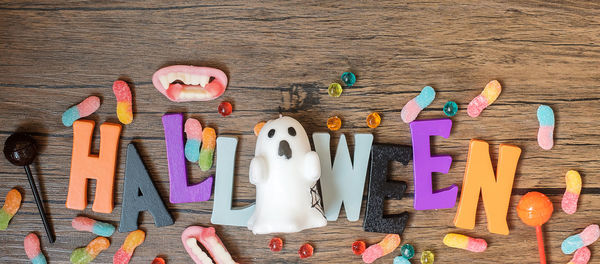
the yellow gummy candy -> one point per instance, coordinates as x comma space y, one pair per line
97, 245
124, 112
133, 240
389, 243
491, 91
573, 180
209, 137
456, 240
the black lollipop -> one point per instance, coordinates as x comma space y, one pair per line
20, 149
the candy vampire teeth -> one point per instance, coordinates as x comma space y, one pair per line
183, 83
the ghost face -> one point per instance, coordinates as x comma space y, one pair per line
282, 139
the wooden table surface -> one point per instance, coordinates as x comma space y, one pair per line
280, 58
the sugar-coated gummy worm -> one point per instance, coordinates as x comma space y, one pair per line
581, 256
10, 208
386, 246
413, 107
124, 101
209, 239
132, 241
545, 137
465, 242
90, 252
33, 250
209, 138
571, 196
83, 223
258, 127
83, 109
193, 132
588, 236
489, 94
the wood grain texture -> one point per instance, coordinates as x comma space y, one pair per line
280, 58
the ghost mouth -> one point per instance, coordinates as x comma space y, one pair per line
284, 149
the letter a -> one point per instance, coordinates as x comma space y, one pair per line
138, 181
479, 176
86, 166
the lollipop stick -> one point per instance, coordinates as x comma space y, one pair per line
40, 205
540, 240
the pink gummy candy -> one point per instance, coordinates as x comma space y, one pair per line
582, 256
193, 129
32, 245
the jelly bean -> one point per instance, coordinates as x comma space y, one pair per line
90, 252
334, 123
211, 242
124, 101
373, 120
588, 236
413, 107
225, 108
582, 256
401, 260
545, 136
83, 223
276, 244
348, 78
427, 257
407, 251
305, 251
209, 138
83, 109
387, 245
465, 242
193, 132
487, 97
158, 260
569, 200
258, 127
133, 240
32, 249
335, 90
450, 108
10, 208
358, 247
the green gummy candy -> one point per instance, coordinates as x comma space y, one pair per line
4, 219
80, 256
206, 159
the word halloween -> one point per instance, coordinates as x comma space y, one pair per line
342, 181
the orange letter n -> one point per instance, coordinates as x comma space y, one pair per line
479, 176
86, 166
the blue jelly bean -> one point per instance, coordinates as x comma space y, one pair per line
425, 97
348, 78
192, 150
401, 260
450, 108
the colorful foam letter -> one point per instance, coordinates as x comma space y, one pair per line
381, 188
86, 166
222, 213
343, 182
495, 189
424, 164
138, 181
181, 192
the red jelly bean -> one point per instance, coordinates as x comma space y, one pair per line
276, 244
358, 247
225, 108
305, 251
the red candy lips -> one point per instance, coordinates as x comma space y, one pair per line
183, 83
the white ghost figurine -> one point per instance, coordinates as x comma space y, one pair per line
285, 172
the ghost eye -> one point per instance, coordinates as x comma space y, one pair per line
271, 133
292, 131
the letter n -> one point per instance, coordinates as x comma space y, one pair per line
495, 189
